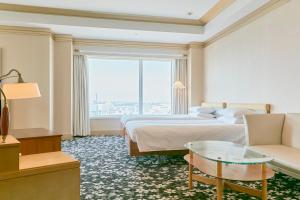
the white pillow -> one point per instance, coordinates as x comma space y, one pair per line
203, 115
231, 120
199, 109
234, 112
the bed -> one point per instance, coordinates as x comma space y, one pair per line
129, 118
146, 137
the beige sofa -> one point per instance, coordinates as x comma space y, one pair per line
277, 135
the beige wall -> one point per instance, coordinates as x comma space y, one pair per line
63, 73
260, 62
51, 84
31, 55
49, 62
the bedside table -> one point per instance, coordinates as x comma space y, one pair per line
37, 140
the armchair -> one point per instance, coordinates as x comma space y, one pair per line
277, 135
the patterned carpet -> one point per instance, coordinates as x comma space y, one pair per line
107, 172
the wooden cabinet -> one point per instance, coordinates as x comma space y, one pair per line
37, 140
9, 155
44, 176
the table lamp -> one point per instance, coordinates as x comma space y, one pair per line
19, 90
178, 85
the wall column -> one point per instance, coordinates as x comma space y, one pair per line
63, 77
195, 66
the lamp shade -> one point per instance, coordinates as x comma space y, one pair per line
178, 85
21, 90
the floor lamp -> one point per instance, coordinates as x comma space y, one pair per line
178, 85
19, 90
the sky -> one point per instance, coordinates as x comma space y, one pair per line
118, 80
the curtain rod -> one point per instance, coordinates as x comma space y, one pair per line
135, 55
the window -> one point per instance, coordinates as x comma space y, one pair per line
113, 87
129, 86
156, 87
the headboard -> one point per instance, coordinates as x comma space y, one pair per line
213, 105
265, 108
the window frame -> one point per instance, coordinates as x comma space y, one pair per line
141, 80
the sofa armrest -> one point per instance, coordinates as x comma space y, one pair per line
263, 129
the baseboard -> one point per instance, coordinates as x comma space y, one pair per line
95, 133
67, 137
106, 132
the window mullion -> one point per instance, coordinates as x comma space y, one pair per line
140, 86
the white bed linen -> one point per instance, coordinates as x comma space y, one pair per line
165, 135
128, 118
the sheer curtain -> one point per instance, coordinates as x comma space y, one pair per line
81, 122
180, 96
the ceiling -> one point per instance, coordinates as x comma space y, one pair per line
166, 21
184, 9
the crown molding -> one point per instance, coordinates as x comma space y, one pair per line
87, 42
26, 30
91, 42
273, 4
99, 15
268, 7
63, 37
196, 45
216, 10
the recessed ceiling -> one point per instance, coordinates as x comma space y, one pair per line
184, 9
114, 34
134, 29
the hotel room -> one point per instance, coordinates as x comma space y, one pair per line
131, 99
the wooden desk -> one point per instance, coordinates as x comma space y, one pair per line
37, 140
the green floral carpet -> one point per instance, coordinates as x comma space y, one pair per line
107, 172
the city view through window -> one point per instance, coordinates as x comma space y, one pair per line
129, 86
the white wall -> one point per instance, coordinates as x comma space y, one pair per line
258, 63
105, 126
31, 55
63, 77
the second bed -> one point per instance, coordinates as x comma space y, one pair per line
146, 137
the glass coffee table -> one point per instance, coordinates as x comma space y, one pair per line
226, 161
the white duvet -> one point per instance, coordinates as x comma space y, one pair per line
129, 118
162, 135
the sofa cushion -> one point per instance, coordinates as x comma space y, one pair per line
264, 129
285, 156
291, 130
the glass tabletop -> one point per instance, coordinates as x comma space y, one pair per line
226, 152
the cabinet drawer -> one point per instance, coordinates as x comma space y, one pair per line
40, 145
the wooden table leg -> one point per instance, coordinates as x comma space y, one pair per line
264, 192
220, 185
191, 171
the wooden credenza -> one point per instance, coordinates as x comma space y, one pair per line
37, 140
44, 176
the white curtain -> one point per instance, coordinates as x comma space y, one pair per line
180, 95
81, 122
